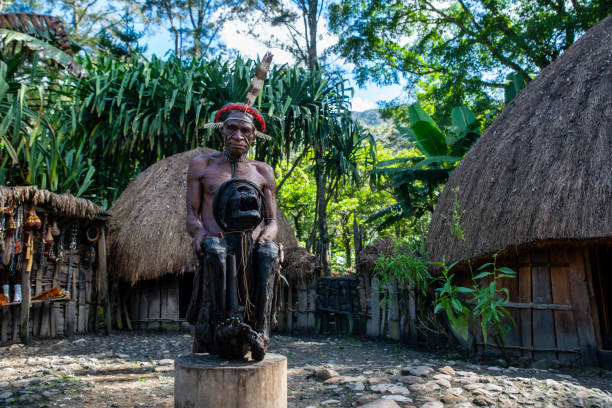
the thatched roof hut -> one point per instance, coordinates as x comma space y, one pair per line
538, 184
541, 171
148, 238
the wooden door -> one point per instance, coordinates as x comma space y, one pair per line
601, 267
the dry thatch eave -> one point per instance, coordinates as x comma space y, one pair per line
299, 265
148, 238
542, 171
65, 203
366, 260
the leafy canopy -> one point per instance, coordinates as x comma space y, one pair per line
458, 51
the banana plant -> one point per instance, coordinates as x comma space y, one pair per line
416, 179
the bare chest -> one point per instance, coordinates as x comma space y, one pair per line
219, 172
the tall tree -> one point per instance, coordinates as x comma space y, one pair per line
458, 51
84, 19
121, 40
198, 21
301, 19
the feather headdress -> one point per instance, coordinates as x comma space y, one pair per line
247, 107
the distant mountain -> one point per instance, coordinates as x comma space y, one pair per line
384, 131
370, 117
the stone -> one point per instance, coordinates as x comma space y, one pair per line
6, 395
551, 383
480, 391
423, 388
380, 388
324, 374
381, 403
356, 386
492, 387
166, 361
442, 377
410, 379
330, 402
26, 398
378, 380
366, 399
449, 398
333, 380
419, 371
443, 383
433, 404
455, 391
448, 370
473, 386
482, 401
202, 380
398, 389
398, 398
466, 380
161, 369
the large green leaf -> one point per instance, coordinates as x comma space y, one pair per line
429, 139
45, 49
459, 324
462, 118
514, 85
425, 132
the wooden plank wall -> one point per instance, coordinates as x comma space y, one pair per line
550, 302
155, 304
54, 318
298, 309
393, 318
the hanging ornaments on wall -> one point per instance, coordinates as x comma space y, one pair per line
11, 225
48, 237
33, 221
60, 247
55, 231
3, 246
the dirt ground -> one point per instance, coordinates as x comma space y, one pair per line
136, 369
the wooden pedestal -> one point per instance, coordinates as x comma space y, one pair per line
203, 381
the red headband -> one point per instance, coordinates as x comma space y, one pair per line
242, 108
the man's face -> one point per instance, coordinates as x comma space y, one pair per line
238, 133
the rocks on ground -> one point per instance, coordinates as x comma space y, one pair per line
132, 370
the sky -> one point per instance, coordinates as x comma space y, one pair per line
364, 98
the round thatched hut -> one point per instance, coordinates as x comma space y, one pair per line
150, 250
538, 186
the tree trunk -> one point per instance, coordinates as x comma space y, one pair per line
346, 241
322, 243
312, 33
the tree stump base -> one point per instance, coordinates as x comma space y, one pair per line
207, 381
